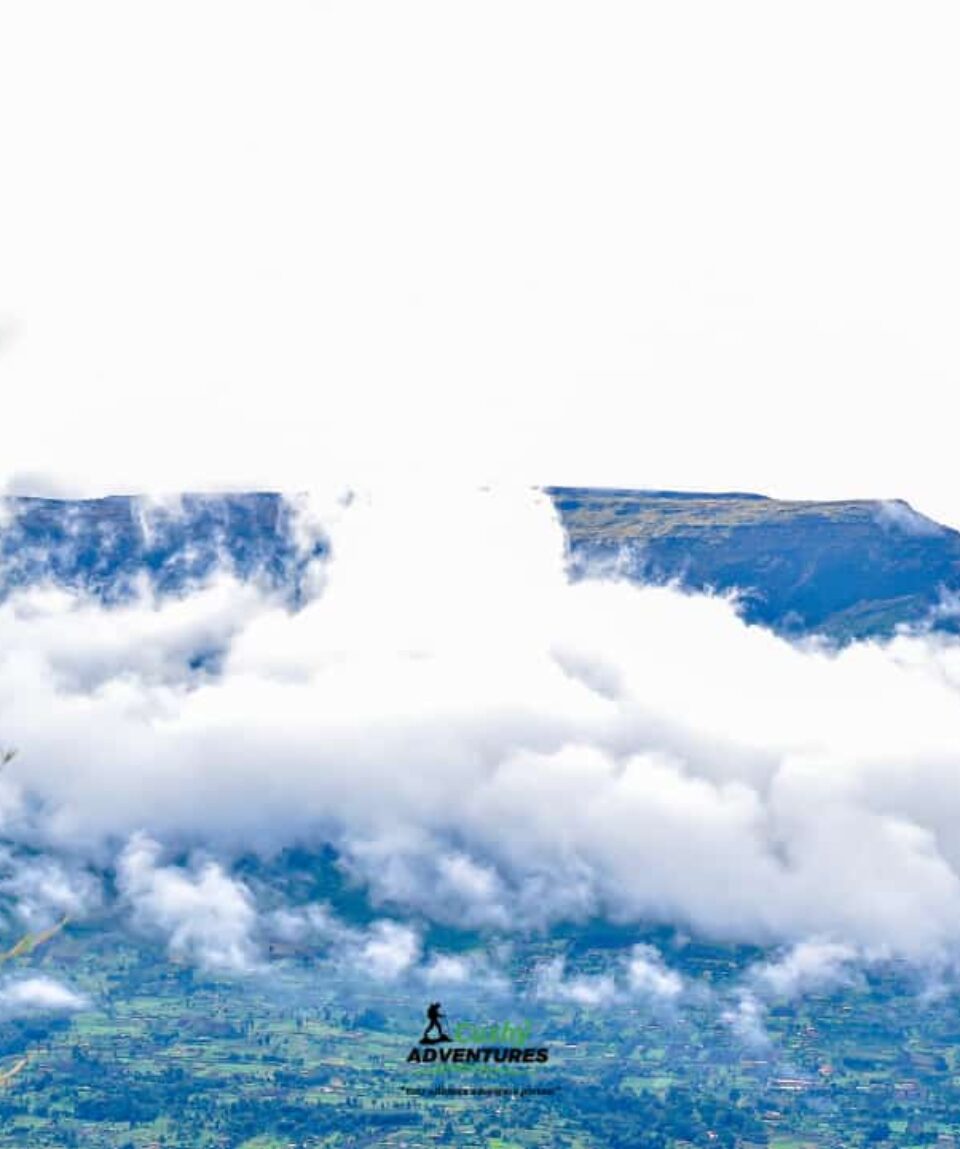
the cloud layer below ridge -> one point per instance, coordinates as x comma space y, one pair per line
489, 744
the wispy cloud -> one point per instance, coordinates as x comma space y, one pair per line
21, 997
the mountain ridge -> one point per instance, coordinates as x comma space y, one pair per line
842, 569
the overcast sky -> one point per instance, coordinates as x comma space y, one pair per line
657, 244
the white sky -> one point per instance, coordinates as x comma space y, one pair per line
652, 244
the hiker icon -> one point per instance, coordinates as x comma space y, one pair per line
434, 1026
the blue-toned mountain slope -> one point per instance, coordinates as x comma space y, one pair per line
844, 569
106, 547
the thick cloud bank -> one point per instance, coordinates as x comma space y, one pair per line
488, 744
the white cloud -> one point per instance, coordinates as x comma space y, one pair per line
388, 950
303, 924
448, 969
483, 970
900, 516
746, 1019
84, 647
38, 995
45, 888
552, 983
640, 973
416, 714
809, 966
203, 913
648, 976
385, 950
